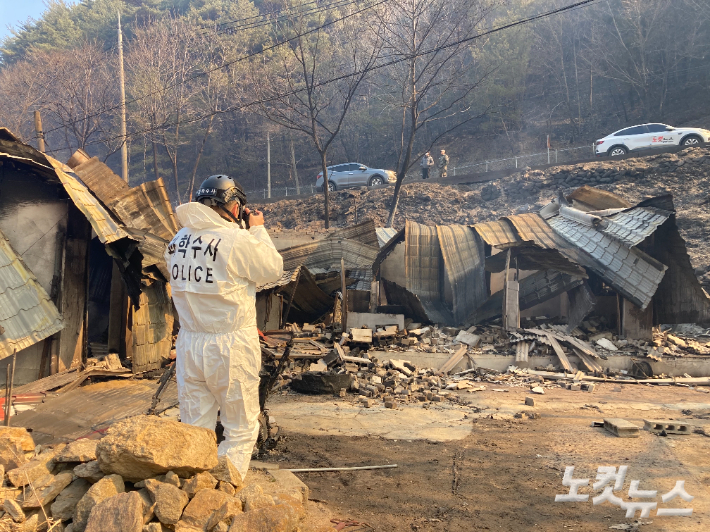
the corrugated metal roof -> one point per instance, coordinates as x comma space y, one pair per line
498, 234
326, 253
288, 277
597, 198
27, 315
152, 328
101, 180
107, 229
634, 225
385, 234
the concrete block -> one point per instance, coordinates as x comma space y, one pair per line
588, 386
575, 387
621, 428
656, 426
361, 335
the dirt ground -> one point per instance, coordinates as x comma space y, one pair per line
506, 473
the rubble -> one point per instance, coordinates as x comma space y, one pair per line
218, 500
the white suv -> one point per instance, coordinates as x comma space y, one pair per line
649, 136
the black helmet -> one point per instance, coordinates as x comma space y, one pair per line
219, 190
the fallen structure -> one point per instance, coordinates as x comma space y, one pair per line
81, 266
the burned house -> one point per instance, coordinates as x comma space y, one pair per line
588, 250
81, 268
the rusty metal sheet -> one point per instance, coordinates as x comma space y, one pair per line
423, 261
27, 314
581, 302
101, 180
500, 234
107, 229
464, 258
309, 301
598, 199
532, 257
152, 328
411, 305
146, 207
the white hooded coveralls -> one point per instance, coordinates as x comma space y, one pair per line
214, 268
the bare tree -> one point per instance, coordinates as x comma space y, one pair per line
296, 89
437, 77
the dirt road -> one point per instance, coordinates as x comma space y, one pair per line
506, 473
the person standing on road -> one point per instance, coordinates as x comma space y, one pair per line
215, 265
426, 164
443, 164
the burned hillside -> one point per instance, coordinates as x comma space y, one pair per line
685, 174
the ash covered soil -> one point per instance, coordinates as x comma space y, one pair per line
685, 174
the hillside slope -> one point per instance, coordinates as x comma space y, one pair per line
685, 174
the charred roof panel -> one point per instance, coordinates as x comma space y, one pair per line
101, 180
147, 207
634, 225
152, 328
500, 234
328, 252
27, 315
629, 271
364, 232
598, 199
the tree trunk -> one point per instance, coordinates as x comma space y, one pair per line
155, 159
294, 168
325, 188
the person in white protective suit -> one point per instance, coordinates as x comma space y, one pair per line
215, 264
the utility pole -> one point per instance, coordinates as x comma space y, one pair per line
268, 164
38, 130
122, 84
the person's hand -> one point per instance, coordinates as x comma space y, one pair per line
255, 217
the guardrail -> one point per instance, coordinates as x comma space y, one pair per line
551, 156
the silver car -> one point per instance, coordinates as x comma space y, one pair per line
355, 175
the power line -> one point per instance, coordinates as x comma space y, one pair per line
223, 65
407, 57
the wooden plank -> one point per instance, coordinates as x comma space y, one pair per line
591, 364
454, 360
560, 353
73, 297
512, 306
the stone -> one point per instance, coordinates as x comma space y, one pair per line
607, 344
539, 390
199, 482
575, 387
145, 446
36, 468
227, 488
588, 386
64, 505
90, 471
230, 508
148, 504
19, 435
221, 527
227, 472
530, 401
391, 404
38, 498
30, 525
78, 451
172, 478
11, 454
289, 483
281, 518
14, 510
202, 507
69, 528
120, 513
253, 497
107, 487
169, 501
153, 527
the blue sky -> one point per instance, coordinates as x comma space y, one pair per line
14, 12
